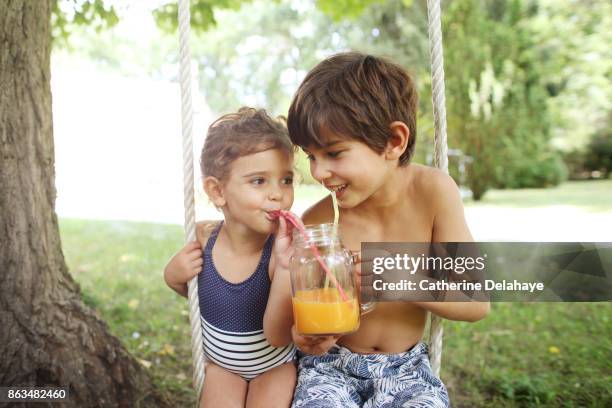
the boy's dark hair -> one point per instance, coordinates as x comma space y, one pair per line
239, 134
357, 96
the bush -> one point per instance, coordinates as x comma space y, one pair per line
574, 161
544, 171
599, 154
597, 157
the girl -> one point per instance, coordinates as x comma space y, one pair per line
246, 165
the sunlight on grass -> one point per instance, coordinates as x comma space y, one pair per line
591, 195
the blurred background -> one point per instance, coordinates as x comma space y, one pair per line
527, 84
529, 114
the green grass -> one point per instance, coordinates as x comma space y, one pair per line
119, 267
521, 355
529, 355
591, 195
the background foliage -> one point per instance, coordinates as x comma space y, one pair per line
528, 90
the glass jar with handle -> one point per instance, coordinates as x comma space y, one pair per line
323, 283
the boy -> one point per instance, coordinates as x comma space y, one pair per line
354, 115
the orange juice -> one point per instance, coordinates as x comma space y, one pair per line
322, 311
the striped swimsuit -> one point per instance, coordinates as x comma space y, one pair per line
232, 317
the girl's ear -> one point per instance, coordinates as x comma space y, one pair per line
214, 190
398, 140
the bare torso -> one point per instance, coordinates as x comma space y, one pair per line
392, 327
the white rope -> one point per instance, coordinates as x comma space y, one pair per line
188, 194
440, 156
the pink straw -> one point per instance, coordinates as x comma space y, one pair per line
289, 217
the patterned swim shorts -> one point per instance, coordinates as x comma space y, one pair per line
343, 379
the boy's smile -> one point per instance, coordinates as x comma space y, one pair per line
339, 189
347, 166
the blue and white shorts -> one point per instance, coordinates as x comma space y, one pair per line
343, 379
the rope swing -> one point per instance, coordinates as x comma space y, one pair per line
199, 360
440, 154
436, 59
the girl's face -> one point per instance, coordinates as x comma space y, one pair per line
257, 184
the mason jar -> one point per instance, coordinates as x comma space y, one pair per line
323, 283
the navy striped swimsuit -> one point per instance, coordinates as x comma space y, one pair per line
232, 317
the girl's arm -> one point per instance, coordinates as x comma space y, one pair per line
278, 318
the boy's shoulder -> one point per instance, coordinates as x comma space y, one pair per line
431, 183
430, 191
439, 193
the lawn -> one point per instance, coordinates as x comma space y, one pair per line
552, 354
593, 196
590, 195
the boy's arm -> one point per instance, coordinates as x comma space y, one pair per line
187, 262
449, 225
183, 266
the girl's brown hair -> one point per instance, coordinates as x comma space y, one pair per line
239, 134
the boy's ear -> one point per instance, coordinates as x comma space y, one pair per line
214, 191
398, 140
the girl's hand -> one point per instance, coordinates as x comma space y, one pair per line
315, 345
282, 248
183, 266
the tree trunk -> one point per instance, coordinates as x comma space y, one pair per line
48, 337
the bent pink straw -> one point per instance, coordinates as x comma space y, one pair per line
289, 217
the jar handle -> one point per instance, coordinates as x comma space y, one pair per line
355, 257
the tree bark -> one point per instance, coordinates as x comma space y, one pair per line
48, 336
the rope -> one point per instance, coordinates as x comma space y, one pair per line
440, 156
188, 193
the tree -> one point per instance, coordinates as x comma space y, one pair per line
497, 97
573, 43
49, 337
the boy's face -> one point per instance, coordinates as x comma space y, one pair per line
258, 184
347, 166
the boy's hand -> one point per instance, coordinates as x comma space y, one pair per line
315, 345
364, 276
203, 231
183, 266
